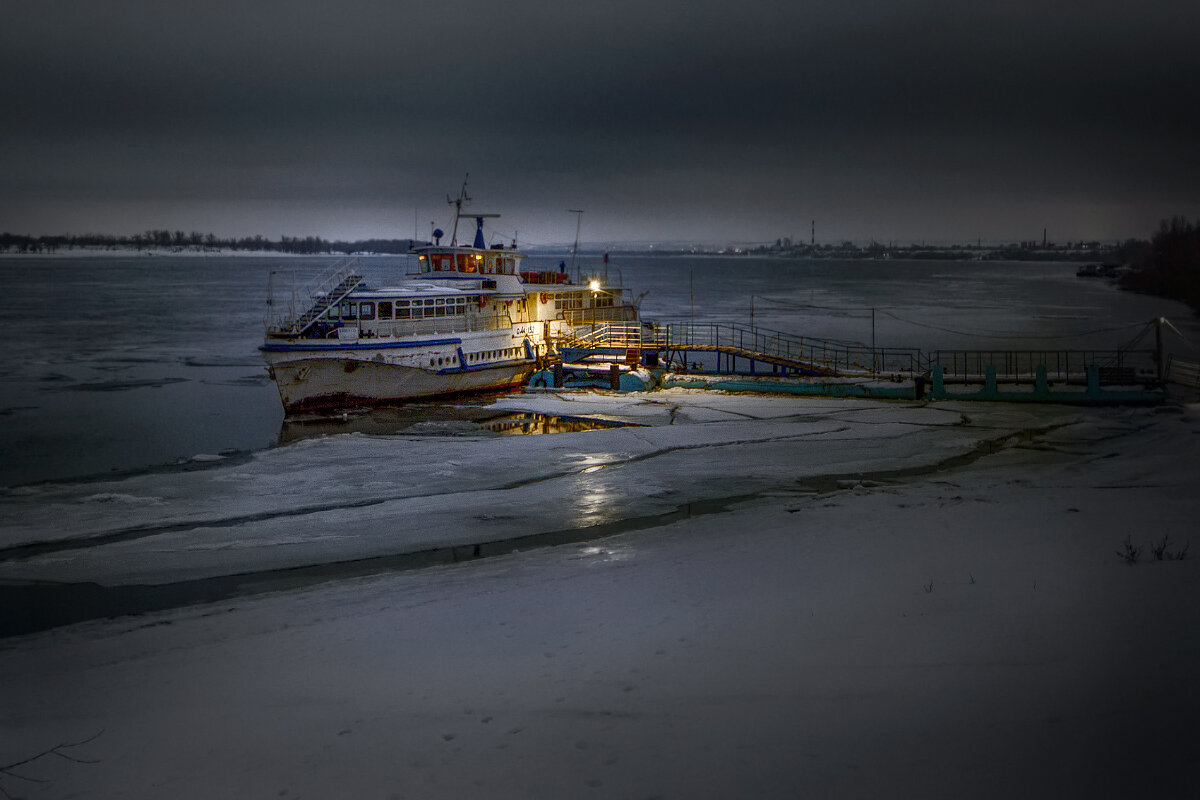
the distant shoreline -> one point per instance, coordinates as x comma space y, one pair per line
102, 252
832, 255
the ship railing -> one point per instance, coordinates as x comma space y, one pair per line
589, 316
317, 296
608, 335
437, 326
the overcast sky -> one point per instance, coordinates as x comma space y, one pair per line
697, 120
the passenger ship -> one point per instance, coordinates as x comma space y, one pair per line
466, 320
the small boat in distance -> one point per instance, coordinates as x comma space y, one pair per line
468, 319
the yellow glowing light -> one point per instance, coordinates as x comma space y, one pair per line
594, 286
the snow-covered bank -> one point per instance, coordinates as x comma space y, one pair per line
868, 625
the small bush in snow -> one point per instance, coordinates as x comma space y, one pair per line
1129, 552
1160, 549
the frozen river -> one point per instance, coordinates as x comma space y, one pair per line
765, 596
129, 364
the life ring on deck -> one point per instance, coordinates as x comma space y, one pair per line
544, 297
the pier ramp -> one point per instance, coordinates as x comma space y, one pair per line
634, 356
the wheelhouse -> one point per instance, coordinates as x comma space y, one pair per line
498, 260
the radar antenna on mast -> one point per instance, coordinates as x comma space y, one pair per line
464, 199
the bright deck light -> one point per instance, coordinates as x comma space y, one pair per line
594, 286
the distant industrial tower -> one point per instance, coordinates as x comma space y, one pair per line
813, 241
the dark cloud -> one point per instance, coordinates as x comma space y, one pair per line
666, 120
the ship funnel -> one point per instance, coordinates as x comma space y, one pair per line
479, 233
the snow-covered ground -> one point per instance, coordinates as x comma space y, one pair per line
814, 598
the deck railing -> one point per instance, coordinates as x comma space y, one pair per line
589, 316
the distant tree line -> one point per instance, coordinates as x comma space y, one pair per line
1169, 264
1015, 251
179, 241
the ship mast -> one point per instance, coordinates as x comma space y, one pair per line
578, 212
458, 204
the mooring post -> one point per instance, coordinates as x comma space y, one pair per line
614, 377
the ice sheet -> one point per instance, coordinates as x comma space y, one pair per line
352, 497
963, 632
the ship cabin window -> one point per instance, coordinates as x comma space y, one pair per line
348, 310
401, 309
441, 262
604, 301
439, 307
366, 311
385, 309
568, 300
332, 313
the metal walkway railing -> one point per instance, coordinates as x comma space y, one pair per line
1115, 366
755, 344
790, 351
824, 357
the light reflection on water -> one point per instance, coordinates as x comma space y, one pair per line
432, 419
592, 498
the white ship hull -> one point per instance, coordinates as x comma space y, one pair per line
315, 383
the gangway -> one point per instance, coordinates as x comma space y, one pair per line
784, 352
323, 292
748, 358
780, 353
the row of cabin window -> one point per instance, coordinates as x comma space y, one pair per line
568, 300
467, 262
510, 352
403, 309
573, 300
